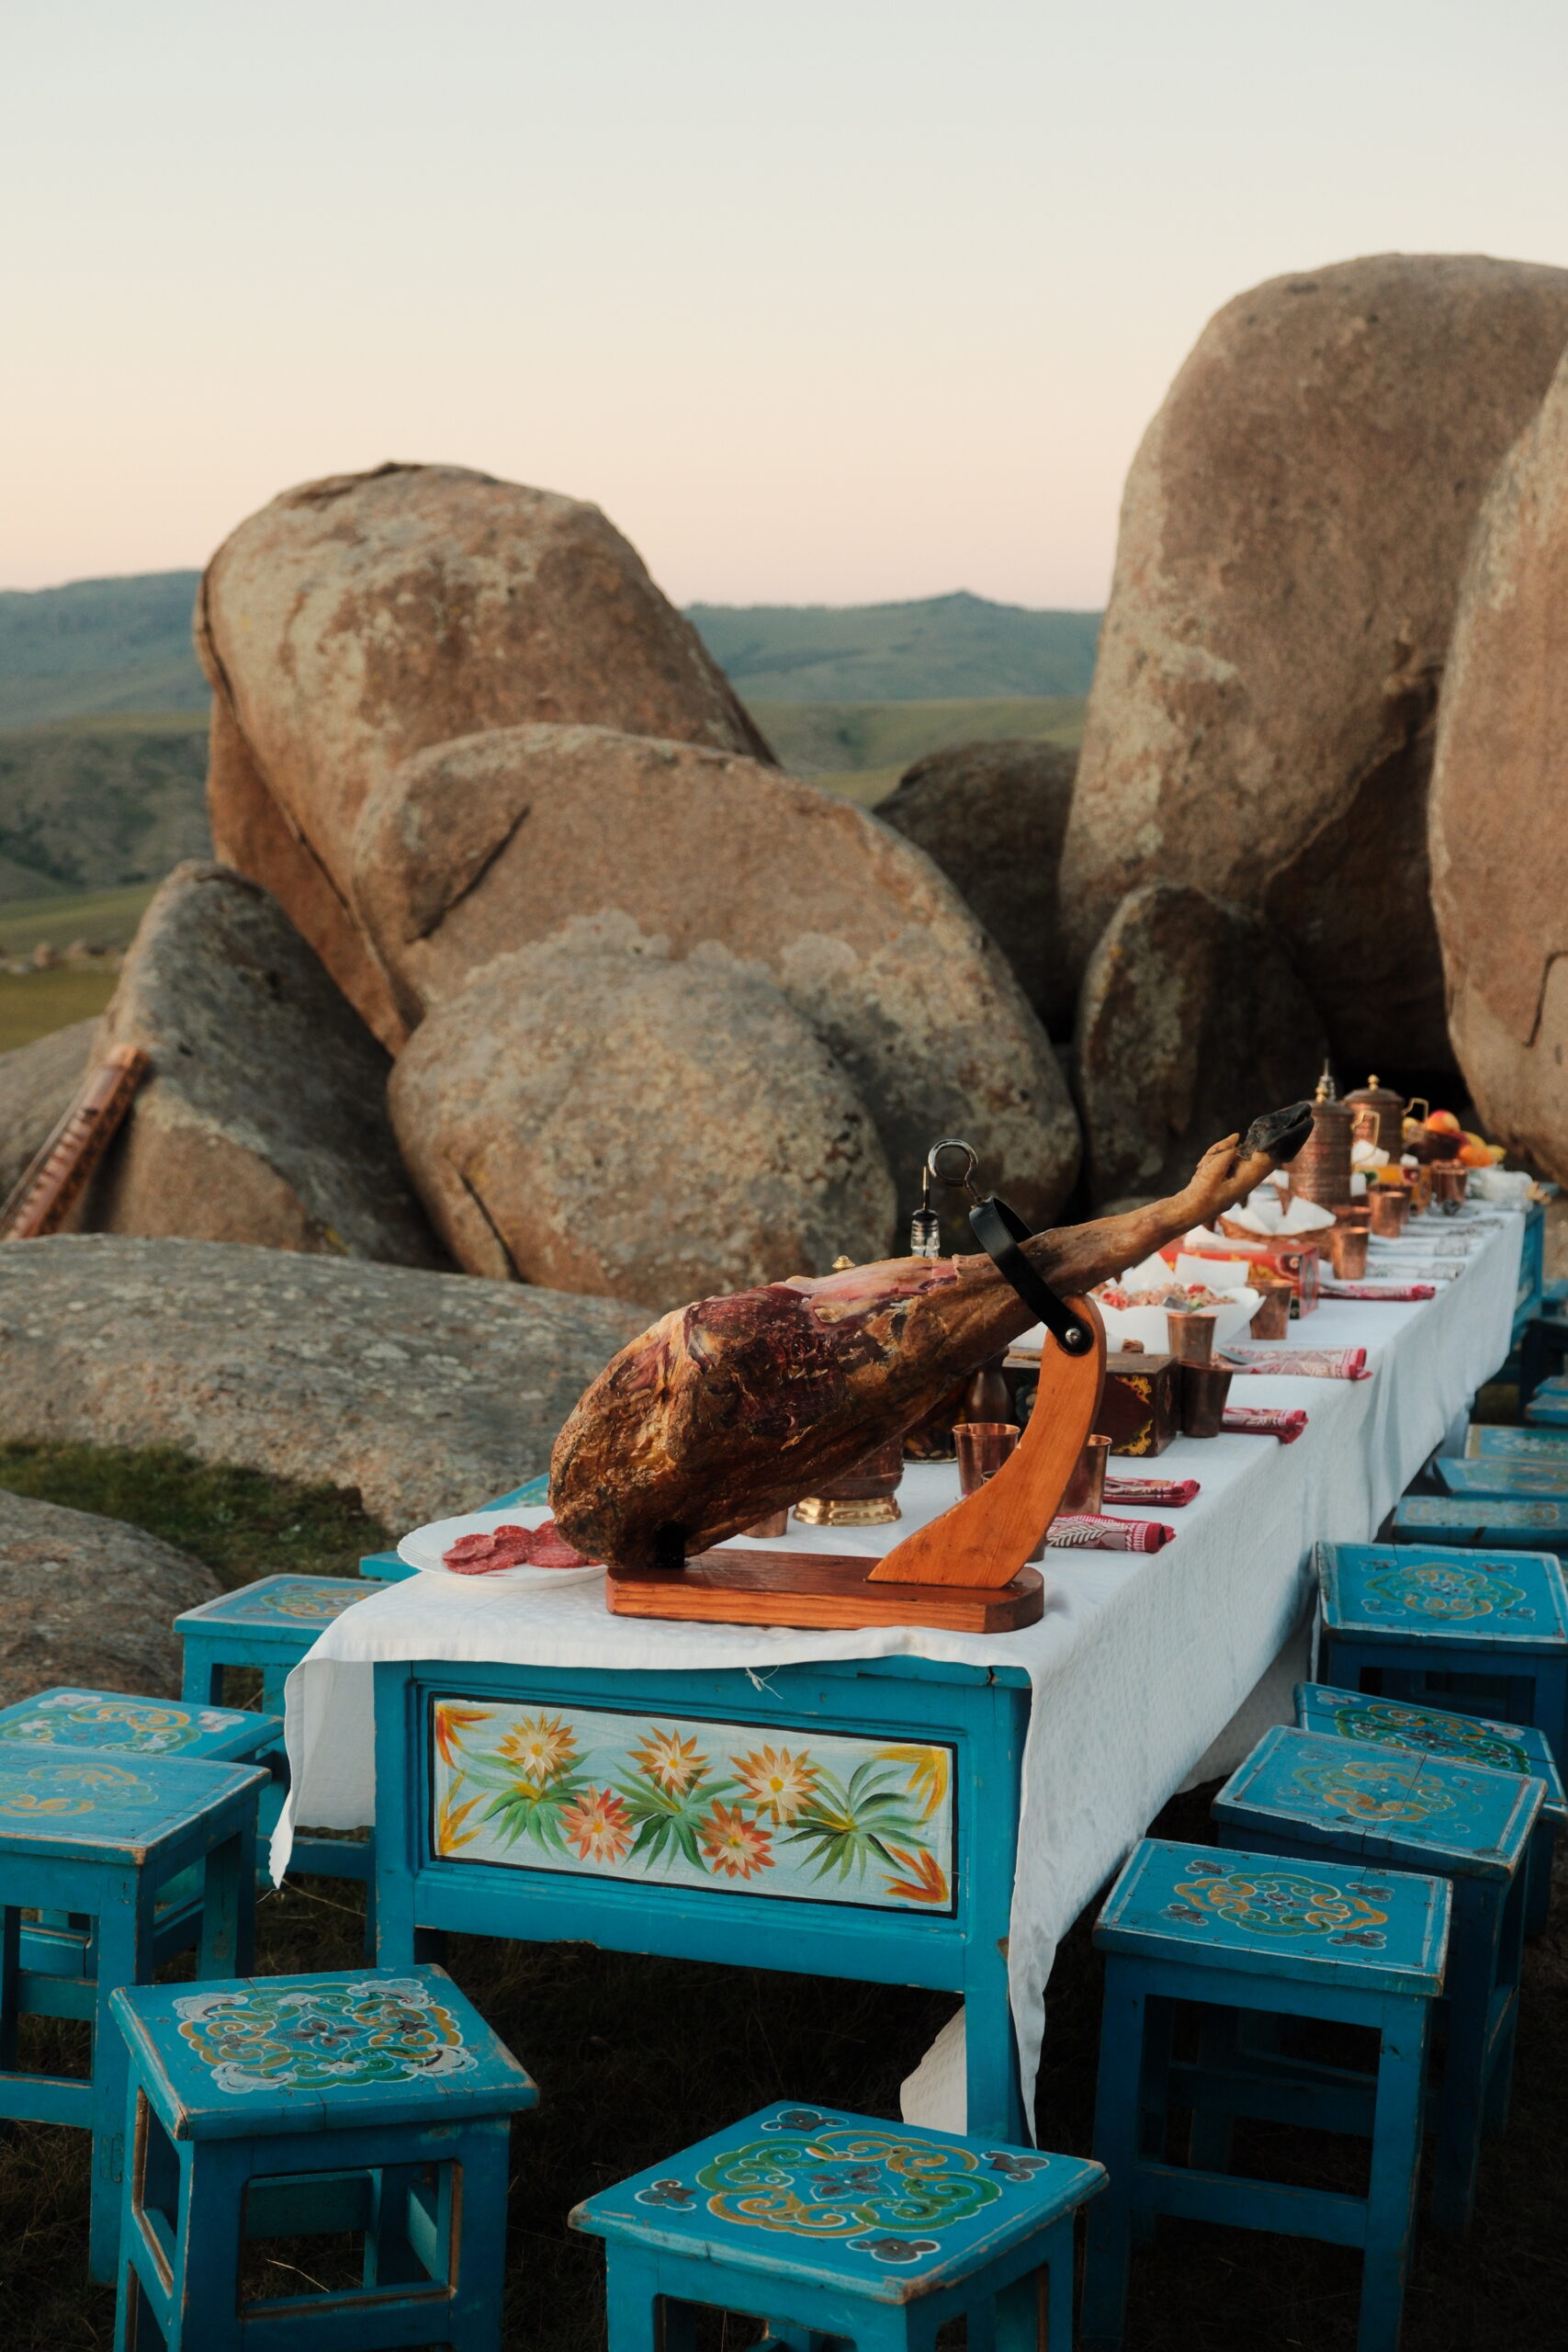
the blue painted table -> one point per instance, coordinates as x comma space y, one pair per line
844, 2226
83, 1831
1300, 1792
1525, 1524
1259, 1943
1479, 1632
1505, 1748
301, 2105
854, 1819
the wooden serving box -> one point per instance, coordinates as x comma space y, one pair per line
1139, 1406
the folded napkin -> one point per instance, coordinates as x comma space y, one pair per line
1397, 1292
1087, 1534
1174, 1492
1299, 1364
1257, 1420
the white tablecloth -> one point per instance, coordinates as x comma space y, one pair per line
1148, 1668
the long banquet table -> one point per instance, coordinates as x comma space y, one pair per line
1147, 1671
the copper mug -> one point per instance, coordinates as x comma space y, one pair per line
1449, 1184
1272, 1319
1084, 1490
1191, 1330
1389, 1209
1347, 1247
982, 1448
1204, 1387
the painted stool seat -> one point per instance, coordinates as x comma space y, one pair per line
1257, 1941
1310, 1794
1434, 1731
1524, 1524
127, 1722
829, 2223
283, 2106
270, 1625
1499, 1477
1480, 1632
1484, 1443
92, 1832
1547, 1408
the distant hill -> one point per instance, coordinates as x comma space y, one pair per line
943, 649
99, 645
95, 804
861, 749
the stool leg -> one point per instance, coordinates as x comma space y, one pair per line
1473, 1964
1537, 1891
1116, 2125
480, 2255
1395, 2164
10, 1972
210, 2250
1160, 2026
125, 1957
1019, 2311
1059, 2285
631, 2298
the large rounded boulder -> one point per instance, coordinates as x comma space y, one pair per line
993, 817
355, 620
1499, 815
589, 1114
490, 843
1293, 532
1189, 1017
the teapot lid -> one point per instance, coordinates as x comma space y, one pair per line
1375, 1097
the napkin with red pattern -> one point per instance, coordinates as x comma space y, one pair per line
1083, 1532
1397, 1292
1257, 1420
1299, 1364
1172, 1492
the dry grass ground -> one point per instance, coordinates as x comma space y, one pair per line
634, 2057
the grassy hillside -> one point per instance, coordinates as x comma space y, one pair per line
98, 646
861, 749
941, 647
96, 804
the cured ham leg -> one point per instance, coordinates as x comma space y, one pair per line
734, 1407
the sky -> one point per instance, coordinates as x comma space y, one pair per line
822, 300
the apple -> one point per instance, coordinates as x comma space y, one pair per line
1443, 1123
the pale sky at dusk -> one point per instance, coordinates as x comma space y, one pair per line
829, 300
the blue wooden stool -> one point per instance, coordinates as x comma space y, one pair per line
296, 2106
271, 1624
1547, 1408
1525, 1524
1501, 1477
1256, 1941
126, 1722
1300, 1792
1482, 1633
1469, 1739
830, 2224
1484, 1443
83, 1831
390, 1567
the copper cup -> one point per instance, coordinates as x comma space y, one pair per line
1085, 1489
1449, 1184
982, 1447
1352, 1213
1204, 1387
1389, 1209
1191, 1333
1347, 1247
1272, 1320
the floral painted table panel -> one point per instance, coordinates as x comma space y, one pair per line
696, 1803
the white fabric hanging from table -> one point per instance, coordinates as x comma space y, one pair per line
1148, 1668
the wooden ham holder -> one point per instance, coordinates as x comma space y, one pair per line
965, 1571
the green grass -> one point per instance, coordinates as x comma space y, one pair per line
242, 1523
102, 918
861, 749
35, 1005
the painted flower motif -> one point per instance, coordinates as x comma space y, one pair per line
737, 1847
542, 1744
783, 1785
450, 1834
925, 1880
451, 1722
598, 1825
669, 1761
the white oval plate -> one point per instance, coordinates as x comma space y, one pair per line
424, 1547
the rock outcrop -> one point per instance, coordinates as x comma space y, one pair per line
89, 1599
490, 843
589, 1114
356, 620
1499, 813
1292, 536
993, 817
427, 1392
36, 1083
263, 1116
1188, 1015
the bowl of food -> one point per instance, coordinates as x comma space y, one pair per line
1135, 1307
